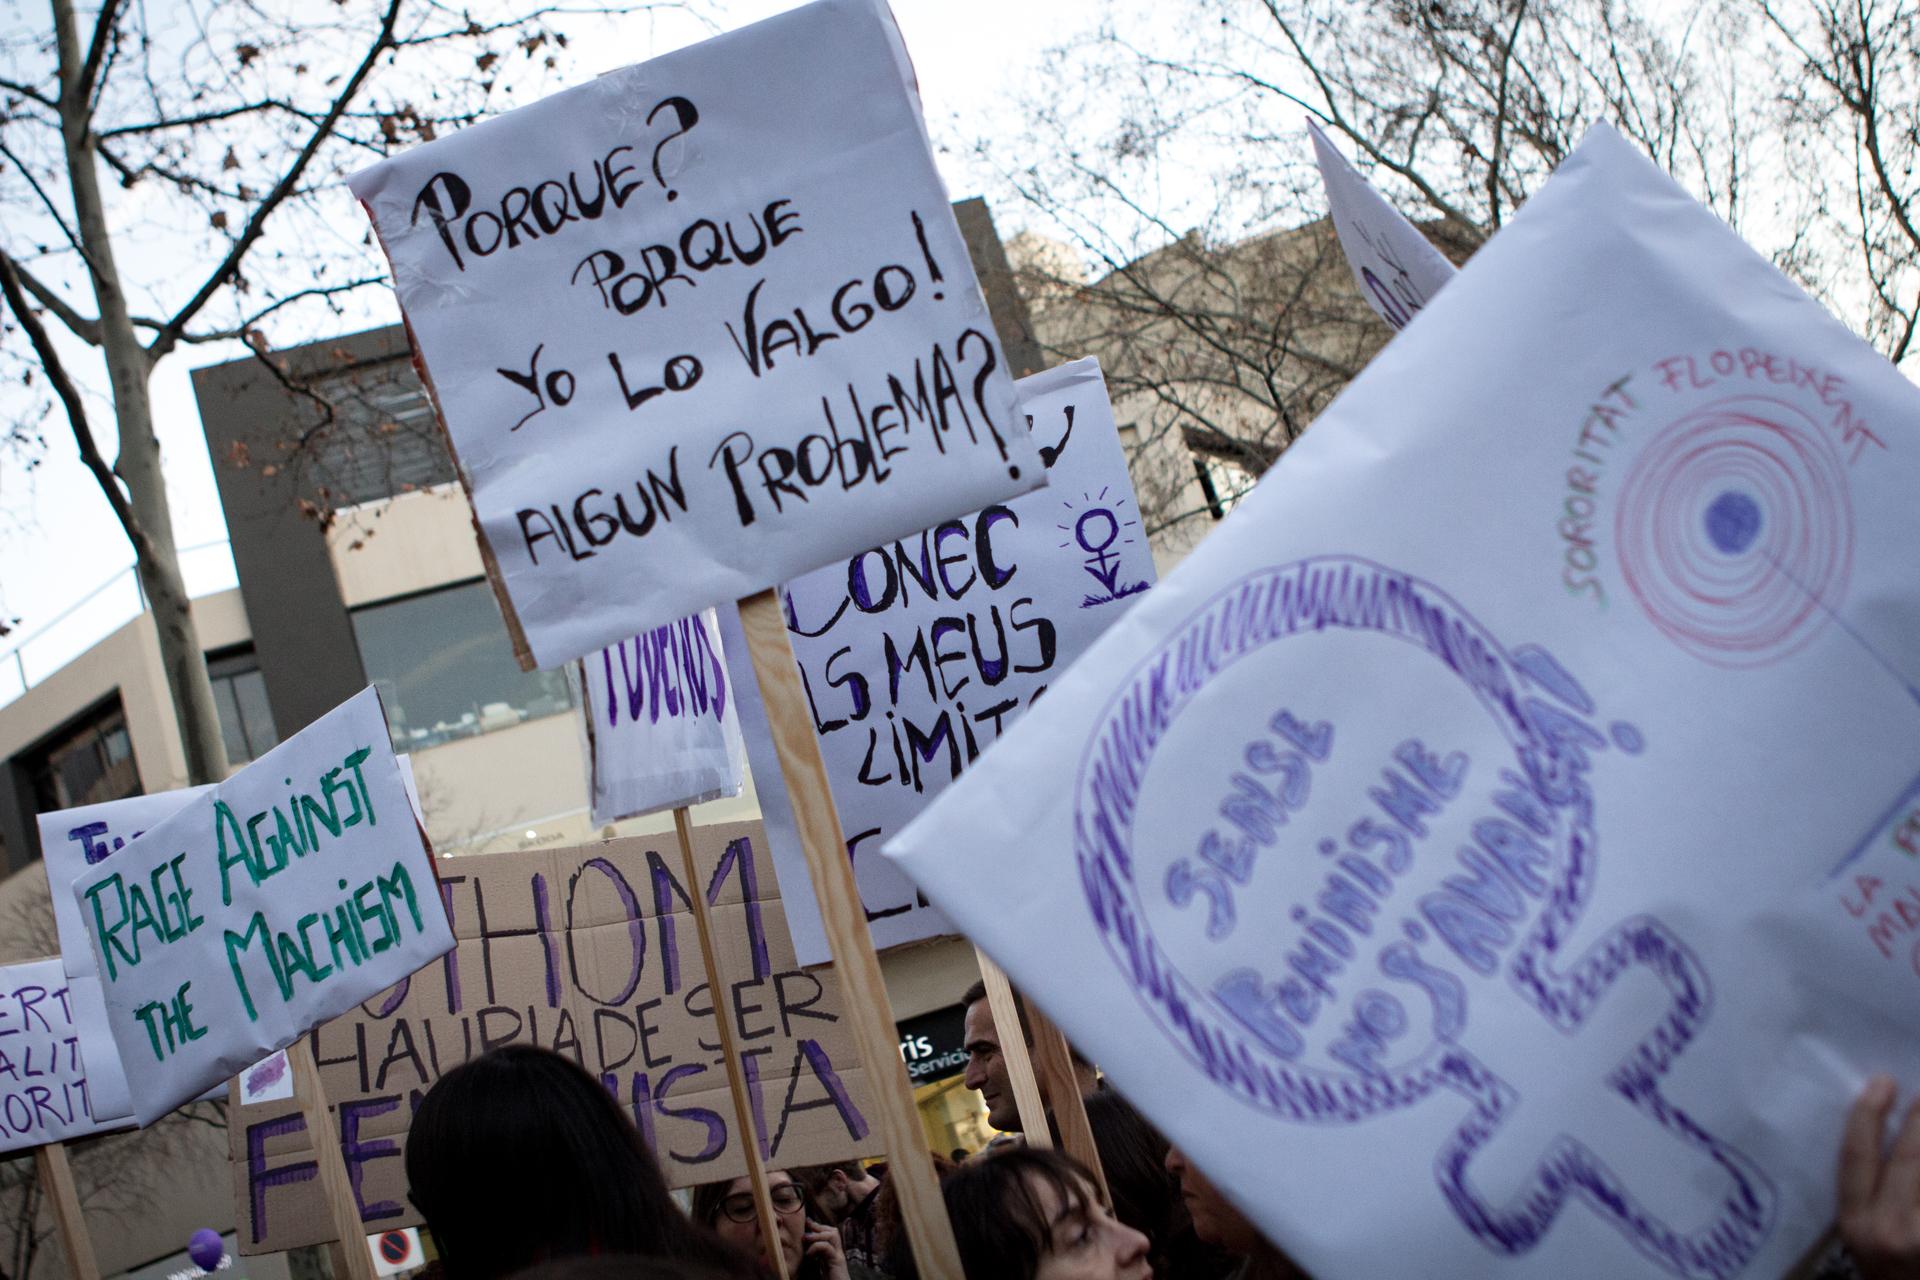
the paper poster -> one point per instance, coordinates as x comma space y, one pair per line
662, 729
269, 902
590, 951
918, 653
1396, 268
1500, 814
45, 1045
700, 325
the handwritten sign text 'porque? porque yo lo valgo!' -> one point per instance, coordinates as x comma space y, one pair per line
1406, 873
701, 325
269, 902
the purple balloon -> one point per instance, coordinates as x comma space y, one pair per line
206, 1248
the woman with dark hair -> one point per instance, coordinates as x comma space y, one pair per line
1146, 1196
810, 1248
1027, 1213
519, 1157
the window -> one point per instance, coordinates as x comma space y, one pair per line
384, 439
446, 670
87, 763
240, 695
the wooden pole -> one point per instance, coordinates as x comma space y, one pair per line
1013, 1050
729, 1052
347, 1226
56, 1175
1063, 1087
844, 919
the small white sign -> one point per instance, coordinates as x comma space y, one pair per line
918, 653
1397, 269
662, 726
270, 902
701, 325
45, 1045
395, 1251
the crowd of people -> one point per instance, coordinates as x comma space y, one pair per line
523, 1165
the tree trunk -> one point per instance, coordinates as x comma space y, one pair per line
145, 513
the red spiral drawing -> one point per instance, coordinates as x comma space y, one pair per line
1735, 531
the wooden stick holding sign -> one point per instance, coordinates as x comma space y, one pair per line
56, 1176
1055, 1061
868, 1009
332, 1167
729, 1051
1013, 1051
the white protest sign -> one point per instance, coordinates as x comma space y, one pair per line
45, 1045
662, 728
72, 840
270, 902
917, 654
1397, 269
1469, 817
700, 325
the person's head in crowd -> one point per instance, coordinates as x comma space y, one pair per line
810, 1248
987, 1066
893, 1251
838, 1188
519, 1157
1144, 1192
1217, 1222
1030, 1213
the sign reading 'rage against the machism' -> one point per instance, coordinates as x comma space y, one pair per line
591, 952
701, 325
1509, 813
918, 653
267, 903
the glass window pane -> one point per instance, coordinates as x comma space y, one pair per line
446, 670
231, 731
256, 717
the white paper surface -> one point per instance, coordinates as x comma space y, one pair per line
701, 325
916, 655
45, 1045
1450, 854
662, 728
268, 903
1397, 269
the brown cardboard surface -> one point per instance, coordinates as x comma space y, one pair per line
591, 951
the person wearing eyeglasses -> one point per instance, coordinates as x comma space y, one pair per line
810, 1248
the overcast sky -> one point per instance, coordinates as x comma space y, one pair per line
58, 539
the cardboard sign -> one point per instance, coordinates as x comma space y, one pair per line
590, 951
1398, 269
46, 1042
265, 904
918, 653
1501, 814
662, 729
700, 325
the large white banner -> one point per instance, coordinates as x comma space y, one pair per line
701, 325
1496, 845
1396, 268
46, 1045
265, 904
662, 726
917, 654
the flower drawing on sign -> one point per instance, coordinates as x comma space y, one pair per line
1332, 927
1095, 526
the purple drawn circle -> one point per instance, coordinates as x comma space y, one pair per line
1303, 598
1735, 531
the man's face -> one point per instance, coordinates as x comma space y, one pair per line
987, 1069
